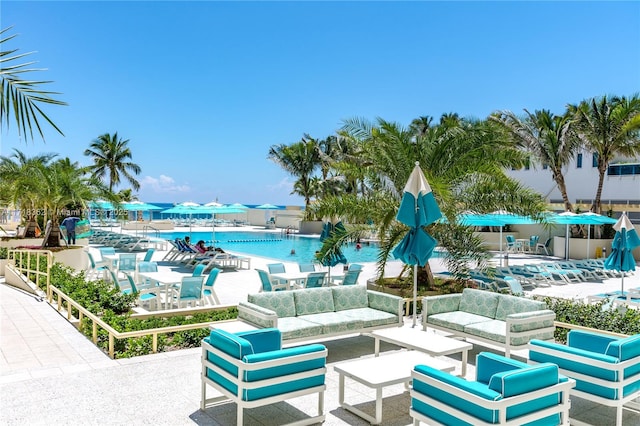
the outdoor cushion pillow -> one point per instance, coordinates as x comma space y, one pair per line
479, 302
313, 301
350, 297
281, 302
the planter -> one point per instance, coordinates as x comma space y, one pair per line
16, 242
73, 257
3, 262
404, 291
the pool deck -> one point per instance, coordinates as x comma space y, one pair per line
50, 374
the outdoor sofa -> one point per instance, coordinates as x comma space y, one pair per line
505, 392
317, 312
497, 319
606, 368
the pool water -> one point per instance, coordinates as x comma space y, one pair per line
276, 246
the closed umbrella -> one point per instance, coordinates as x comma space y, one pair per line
335, 256
626, 239
418, 208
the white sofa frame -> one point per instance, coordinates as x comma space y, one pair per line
509, 334
620, 404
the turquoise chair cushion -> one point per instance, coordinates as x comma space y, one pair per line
283, 370
525, 380
280, 302
479, 302
313, 301
263, 340
350, 297
589, 341
488, 364
231, 345
626, 349
443, 396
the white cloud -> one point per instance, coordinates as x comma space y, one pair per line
285, 183
162, 184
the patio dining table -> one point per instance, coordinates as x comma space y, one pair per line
168, 279
292, 278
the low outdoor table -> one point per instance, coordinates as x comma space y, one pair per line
419, 340
292, 278
380, 372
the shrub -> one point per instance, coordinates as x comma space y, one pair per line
598, 316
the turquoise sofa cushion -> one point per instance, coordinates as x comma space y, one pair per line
313, 301
437, 393
589, 341
280, 302
508, 305
578, 366
525, 380
624, 349
350, 297
479, 302
284, 370
232, 345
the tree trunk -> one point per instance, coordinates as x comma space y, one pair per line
52, 239
562, 186
31, 227
596, 206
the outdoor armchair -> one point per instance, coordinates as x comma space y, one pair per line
270, 284
606, 368
505, 392
252, 370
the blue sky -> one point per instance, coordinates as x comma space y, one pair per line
203, 89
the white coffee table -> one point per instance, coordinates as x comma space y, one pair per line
423, 341
380, 372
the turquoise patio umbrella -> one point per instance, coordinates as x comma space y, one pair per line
626, 239
569, 218
335, 256
418, 208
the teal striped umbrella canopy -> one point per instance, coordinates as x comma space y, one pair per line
626, 239
418, 208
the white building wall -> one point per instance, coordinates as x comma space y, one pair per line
582, 183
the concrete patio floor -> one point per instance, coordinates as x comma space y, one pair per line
51, 374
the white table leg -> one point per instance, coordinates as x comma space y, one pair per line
376, 346
378, 405
465, 356
340, 389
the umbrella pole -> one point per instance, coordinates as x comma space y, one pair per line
588, 239
566, 244
415, 293
501, 254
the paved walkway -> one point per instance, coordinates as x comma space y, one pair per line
51, 374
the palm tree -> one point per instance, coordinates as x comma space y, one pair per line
550, 138
66, 188
20, 97
454, 160
608, 127
110, 155
21, 177
301, 160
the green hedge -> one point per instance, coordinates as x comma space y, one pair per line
598, 316
102, 299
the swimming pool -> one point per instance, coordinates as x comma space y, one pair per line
275, 245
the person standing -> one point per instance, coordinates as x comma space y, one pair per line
70, 225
